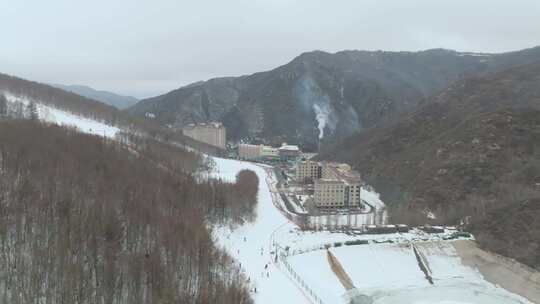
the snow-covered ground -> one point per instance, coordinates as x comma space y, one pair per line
85, 125
56, 116
372, 198
383, 272
389, 273
315, 271
303, 241
250, 244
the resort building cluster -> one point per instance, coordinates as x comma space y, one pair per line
335, 185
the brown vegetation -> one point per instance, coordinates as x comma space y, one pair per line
87, 220
513, 231
93, 109
469, 151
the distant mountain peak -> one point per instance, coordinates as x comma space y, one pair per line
113, 99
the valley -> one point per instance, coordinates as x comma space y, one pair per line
286, 264
283, 253
270, 152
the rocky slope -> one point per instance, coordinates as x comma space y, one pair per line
320, 95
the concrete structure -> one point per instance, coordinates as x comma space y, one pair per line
268, 151
289, 152
247, 151
212, 133
308, 171
258, 152
339, 187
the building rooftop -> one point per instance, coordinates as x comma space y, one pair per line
213, 124
309, 161
327, 181
289, 147
343, 172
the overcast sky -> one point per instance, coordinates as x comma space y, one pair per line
145, 48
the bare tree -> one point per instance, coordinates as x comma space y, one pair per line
3, 105
85, 220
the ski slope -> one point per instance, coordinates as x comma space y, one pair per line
250, 243
63, 118
83, 124
382, 273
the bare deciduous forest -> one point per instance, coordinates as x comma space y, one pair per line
70, 102
87, 220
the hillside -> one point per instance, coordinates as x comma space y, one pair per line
70, 106
112, 99
89, 220
471, 149
322, 96
61, 99
513, 231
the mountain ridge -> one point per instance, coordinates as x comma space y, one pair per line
319, 95
84, 107
110, 98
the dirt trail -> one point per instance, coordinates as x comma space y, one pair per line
338, 270
507, 273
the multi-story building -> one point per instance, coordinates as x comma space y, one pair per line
339, 187
289, 152
212, 133
246, 151
308, 171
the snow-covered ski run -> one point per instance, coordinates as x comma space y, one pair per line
286, 265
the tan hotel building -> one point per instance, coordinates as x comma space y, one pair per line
212, 133
308, 170
339, 187
247, 151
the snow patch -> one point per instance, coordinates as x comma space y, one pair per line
83, 124
49, 114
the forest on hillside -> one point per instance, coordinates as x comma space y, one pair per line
84, 219
81, 106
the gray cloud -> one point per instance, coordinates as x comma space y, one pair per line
145, 48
